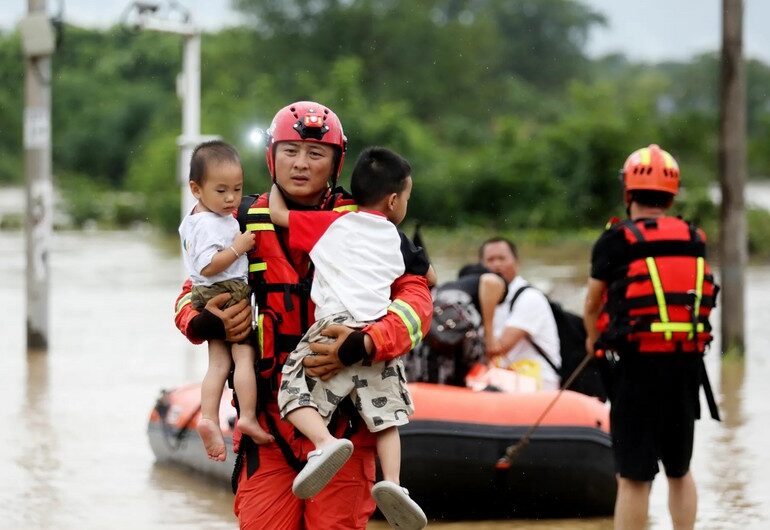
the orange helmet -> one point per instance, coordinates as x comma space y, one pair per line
651, 168
306, 121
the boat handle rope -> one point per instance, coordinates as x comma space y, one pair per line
512, 450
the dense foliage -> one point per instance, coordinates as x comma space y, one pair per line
505, 119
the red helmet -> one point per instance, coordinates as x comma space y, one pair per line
651, 168
306, 121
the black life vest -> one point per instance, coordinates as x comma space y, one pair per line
663, 302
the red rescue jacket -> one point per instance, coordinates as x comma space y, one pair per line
667, 293
281, 281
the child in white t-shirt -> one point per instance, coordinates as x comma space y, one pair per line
357, 256
214, 252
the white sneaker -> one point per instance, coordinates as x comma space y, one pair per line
322, 465
397, 507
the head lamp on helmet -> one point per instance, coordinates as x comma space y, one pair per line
306, 121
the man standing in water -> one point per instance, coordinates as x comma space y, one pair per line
648, 301
305, 152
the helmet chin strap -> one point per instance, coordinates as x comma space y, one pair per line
294, 204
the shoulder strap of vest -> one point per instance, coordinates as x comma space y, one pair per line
631, 225
243, 210
532, 342
642, 248
694, 235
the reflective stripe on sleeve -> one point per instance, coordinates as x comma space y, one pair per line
186, 299
410, 319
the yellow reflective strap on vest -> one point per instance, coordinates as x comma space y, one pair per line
260, 335
675, 327
259, 266
699, 266
410, 319
256, 227
660, 295
255, 211
186, 299
347, 208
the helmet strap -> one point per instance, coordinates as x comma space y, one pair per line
293, 205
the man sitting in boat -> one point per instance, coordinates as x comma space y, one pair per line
461, 308
525, 338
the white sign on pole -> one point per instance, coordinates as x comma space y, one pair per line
37, 128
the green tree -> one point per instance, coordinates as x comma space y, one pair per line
11, 90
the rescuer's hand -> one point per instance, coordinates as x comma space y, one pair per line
236, 319
349, 346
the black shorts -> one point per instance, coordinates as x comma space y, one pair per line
655, 404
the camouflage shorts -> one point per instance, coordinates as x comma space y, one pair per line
378, 390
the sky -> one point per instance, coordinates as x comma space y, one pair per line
658, 30
649, 30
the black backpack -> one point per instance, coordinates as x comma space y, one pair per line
572, 340
452, 324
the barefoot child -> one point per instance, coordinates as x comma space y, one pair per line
214, 252
357, 256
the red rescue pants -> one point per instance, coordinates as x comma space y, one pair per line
265, 501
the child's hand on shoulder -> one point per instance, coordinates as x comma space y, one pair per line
244, 242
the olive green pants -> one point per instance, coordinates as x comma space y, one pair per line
203, 293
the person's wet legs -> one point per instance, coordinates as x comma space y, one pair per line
631, 504
245, 383
389, 453
682, 502
211, 396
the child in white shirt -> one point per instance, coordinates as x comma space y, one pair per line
214, 252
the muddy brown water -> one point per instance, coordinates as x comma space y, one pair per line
73, 438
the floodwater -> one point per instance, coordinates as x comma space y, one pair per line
73, 446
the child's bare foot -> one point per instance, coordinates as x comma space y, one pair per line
253, 429
213, 440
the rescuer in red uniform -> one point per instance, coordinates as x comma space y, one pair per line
306, 172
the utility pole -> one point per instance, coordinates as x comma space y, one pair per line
38, 43
172, 17
189, 90
733, 255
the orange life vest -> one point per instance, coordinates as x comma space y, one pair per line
663, 302
284, 309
